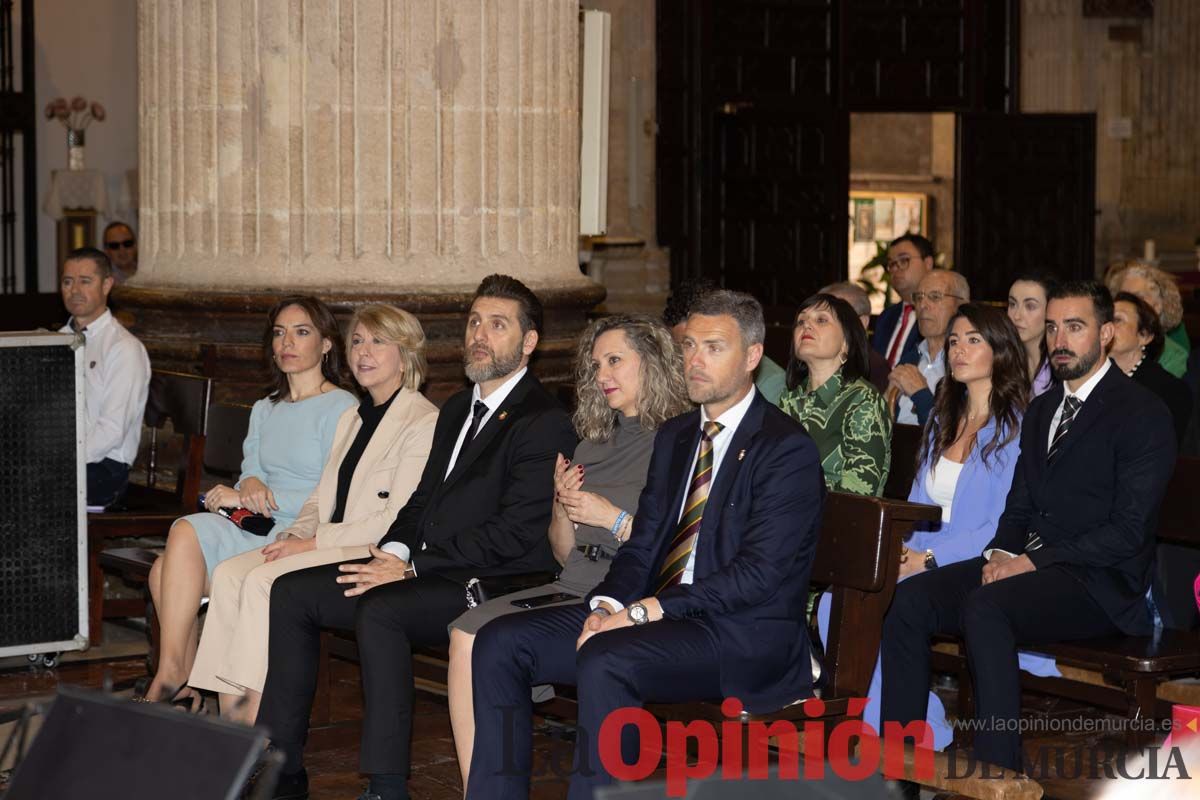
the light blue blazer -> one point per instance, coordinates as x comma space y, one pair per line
979, 498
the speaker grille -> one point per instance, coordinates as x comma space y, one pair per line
39, 530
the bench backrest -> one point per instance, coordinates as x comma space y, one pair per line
183, 400
906, 441
858, 558
228, 424
1179, 518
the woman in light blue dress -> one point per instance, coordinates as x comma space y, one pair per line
290, 433
972, 440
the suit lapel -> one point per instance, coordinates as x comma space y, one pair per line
327, 489
731, 465
498, 421
686, 445
1087, 415
379, 442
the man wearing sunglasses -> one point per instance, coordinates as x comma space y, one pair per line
121, 246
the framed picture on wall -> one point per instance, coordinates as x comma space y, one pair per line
877, 217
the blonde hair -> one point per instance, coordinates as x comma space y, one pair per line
399, 327
662, 394
1162, 281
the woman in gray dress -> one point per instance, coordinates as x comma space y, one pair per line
628, 380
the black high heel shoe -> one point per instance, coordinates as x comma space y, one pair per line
185, 698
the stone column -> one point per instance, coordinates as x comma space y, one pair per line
357, 150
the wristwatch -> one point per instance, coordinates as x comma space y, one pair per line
638, 614
930, 561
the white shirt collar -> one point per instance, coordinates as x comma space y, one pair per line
493, 400
923, 348
96, 325
732, 417
1083, 391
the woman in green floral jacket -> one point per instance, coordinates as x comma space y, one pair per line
830, 395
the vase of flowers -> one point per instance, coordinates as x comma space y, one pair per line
75, 115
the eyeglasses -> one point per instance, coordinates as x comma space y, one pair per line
900, 262
933, 297
126, 243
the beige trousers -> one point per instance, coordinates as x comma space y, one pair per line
233, 648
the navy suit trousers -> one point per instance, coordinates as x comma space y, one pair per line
667, 661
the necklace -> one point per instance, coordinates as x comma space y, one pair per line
1138, 364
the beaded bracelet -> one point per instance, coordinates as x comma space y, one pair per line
617, 525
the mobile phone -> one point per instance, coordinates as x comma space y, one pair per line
543, 600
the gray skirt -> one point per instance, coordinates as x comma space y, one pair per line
474, 619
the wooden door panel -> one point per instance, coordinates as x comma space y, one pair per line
1025, 197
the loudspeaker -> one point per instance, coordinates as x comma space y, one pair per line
43, 524
99, 746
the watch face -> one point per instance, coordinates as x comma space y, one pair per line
637, 612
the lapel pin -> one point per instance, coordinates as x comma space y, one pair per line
741, 454
502, 415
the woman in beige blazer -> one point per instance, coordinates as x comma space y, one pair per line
379, 451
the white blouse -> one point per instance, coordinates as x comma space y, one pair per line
940, 483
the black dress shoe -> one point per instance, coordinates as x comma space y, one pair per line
369, 796
292, 786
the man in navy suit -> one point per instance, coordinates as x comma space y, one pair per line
909, 259
1073, 550
706, 599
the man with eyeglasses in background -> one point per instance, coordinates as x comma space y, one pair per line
909, 259
121, 246
937, 297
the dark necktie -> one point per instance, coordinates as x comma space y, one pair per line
477, 413
689, 523
1071, 406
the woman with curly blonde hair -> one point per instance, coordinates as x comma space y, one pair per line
1158, 288
629, 381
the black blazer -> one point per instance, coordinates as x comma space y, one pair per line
1173, 391
755, 549
1096, 507
490, 515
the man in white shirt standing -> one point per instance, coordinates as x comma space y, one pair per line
706, 599
116, 374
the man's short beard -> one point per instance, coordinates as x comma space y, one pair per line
1067, 372
497, 367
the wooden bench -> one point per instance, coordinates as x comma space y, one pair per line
148, 510
1124, 674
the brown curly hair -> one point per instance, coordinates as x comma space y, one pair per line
663, 393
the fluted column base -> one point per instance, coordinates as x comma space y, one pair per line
219, 334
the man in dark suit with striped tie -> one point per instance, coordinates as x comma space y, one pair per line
1072, 554
705, 601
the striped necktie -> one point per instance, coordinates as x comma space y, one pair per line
1071, 405
689, 522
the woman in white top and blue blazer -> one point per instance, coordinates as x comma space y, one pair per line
966, 464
